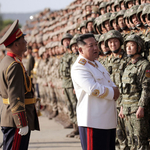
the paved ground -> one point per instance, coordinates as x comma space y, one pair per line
52, 137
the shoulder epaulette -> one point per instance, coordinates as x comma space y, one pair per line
82, 61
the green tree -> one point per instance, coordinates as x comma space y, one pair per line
6, 23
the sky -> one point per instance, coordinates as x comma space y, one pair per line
27, 6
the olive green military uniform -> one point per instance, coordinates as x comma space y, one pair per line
18, 102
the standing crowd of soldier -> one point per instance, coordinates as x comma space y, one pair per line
119, 26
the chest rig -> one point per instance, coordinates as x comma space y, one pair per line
131, 85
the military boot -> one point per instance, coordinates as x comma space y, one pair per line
74, 132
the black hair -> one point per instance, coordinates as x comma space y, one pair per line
83, 37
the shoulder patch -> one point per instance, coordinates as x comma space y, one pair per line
82, 61
147, 73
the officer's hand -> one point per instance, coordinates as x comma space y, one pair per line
116, 93
121, 115
23, 130
140, 112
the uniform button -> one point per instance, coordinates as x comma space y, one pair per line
108, 81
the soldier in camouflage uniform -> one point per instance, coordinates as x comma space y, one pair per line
112, 21
105, 22
122, 6
65, 68
144, 12
117, 6
83, 28
104, 50
135, 20
112, 9
40, 74
74, 48
102, 8
89, 25
49, 70
128, 3
135, 94
117, 62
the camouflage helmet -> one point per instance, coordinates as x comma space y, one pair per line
101, 39
116, 4
41, 50
140, 9
113, 34
144, 12
83, 24
76, 36
135, 38
148, 14
99, 23
111, 2
89, 20
73, 41
112, 17
102, 5
133, 11
120, 13
126, 2
95, 24
120, 1
97, 36
66, 36
126, 15
107, 4
105, 17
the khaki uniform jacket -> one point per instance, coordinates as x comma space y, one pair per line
15, 88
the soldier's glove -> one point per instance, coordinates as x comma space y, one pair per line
23, 130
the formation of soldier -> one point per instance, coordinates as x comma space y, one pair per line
117, 25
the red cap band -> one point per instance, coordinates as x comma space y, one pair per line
13, 37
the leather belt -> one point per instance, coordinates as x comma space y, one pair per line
26, 101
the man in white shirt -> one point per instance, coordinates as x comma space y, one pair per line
96, 94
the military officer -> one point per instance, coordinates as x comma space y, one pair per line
135, 95
18, 115
95, 93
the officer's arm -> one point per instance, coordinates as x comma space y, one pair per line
16, 94
84, 79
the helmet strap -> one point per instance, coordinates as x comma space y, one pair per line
106, 53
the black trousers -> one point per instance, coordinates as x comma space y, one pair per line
97, 139
14, 141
